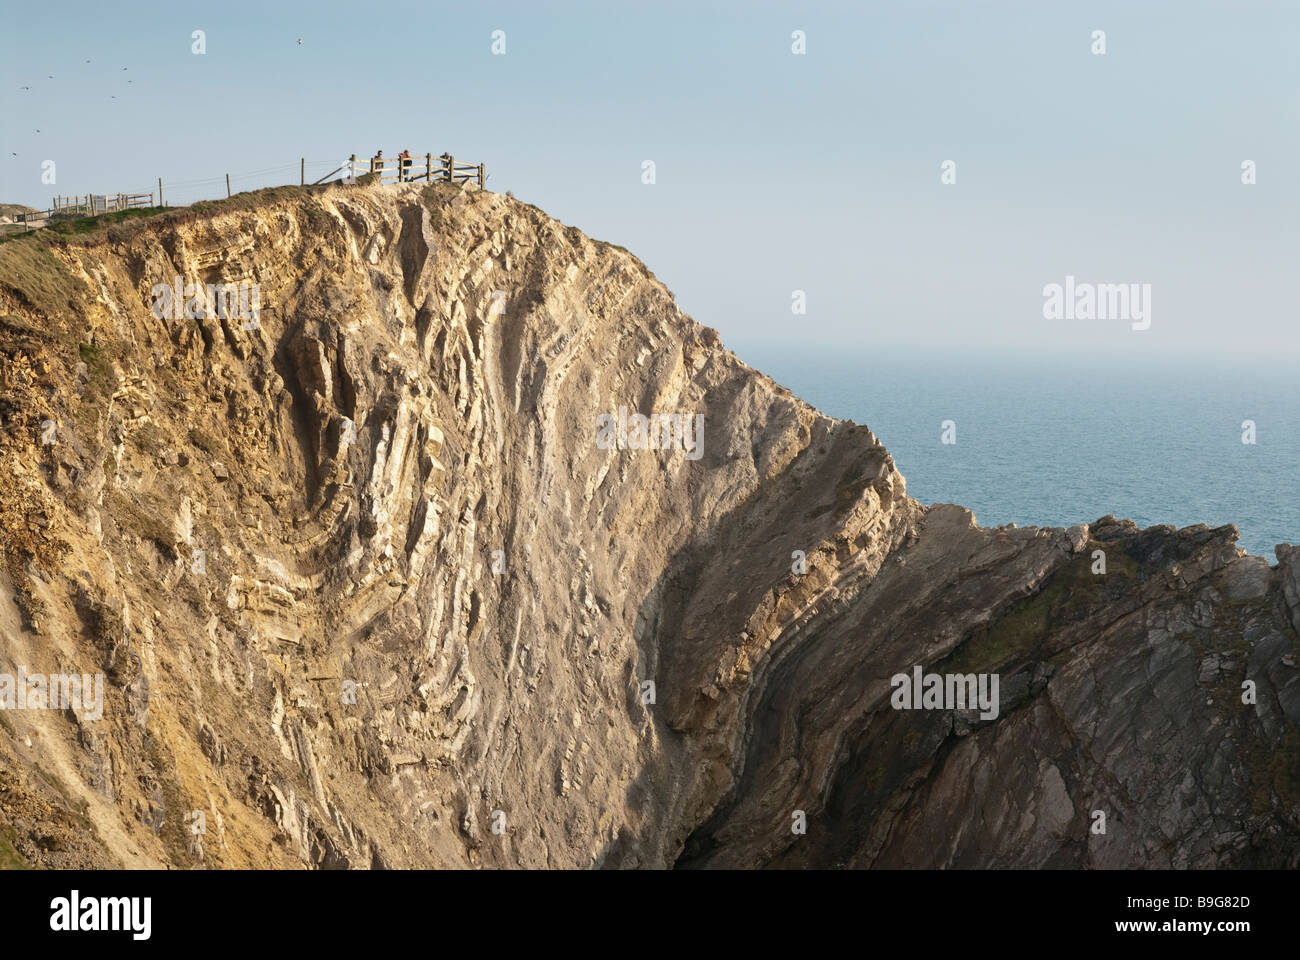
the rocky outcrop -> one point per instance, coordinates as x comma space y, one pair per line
370, 588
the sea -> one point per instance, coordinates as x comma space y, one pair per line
1061, 439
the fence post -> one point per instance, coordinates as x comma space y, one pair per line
451, 169
302, 172
428, 168
481, 178
227, 186
372, 163
160, 198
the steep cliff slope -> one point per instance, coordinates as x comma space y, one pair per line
370, 588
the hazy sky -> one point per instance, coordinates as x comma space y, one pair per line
775, 172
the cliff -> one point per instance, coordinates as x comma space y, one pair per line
368, 590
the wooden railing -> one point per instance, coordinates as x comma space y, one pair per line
426, 167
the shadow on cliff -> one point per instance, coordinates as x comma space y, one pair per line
730, 573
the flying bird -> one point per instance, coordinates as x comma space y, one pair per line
300, 41
24, 88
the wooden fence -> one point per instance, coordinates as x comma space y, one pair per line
427, 167
93, 204
89, 205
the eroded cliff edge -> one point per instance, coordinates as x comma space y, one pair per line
232, 523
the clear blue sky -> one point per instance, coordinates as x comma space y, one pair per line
775, 172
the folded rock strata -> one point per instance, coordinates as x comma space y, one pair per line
367, 592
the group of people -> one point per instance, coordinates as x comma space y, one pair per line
404, 161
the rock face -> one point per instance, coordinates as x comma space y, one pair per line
369, 587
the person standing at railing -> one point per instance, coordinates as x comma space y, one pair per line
446, 165
404, 170
377, 163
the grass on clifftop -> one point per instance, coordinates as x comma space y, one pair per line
82, 225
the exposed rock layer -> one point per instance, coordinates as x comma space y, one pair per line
242, 527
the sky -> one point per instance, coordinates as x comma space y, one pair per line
774, 171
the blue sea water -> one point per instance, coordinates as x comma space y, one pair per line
1064, 440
